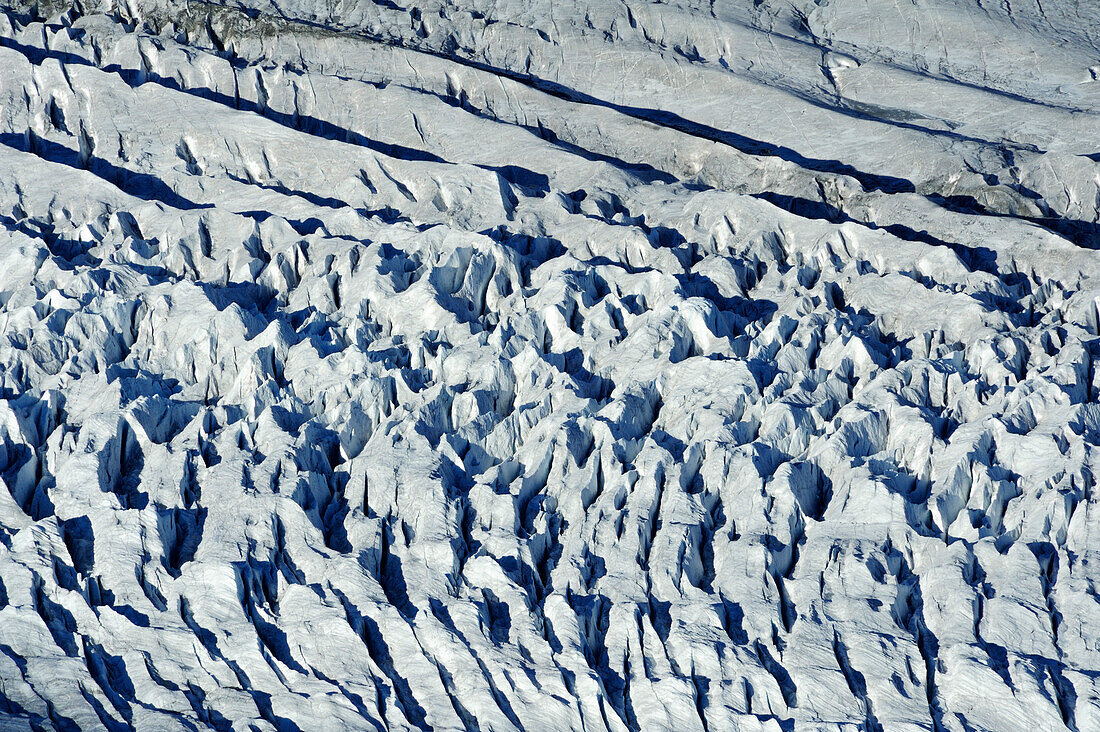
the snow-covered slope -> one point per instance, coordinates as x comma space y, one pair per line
550, 365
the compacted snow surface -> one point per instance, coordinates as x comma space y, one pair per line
550, 365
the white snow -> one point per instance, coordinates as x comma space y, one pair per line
549, 365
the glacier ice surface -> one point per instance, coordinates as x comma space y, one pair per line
549, 365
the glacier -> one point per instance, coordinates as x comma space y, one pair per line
532, 365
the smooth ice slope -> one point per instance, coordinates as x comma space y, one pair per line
550, 365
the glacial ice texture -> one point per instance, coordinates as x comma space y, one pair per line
549, 365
